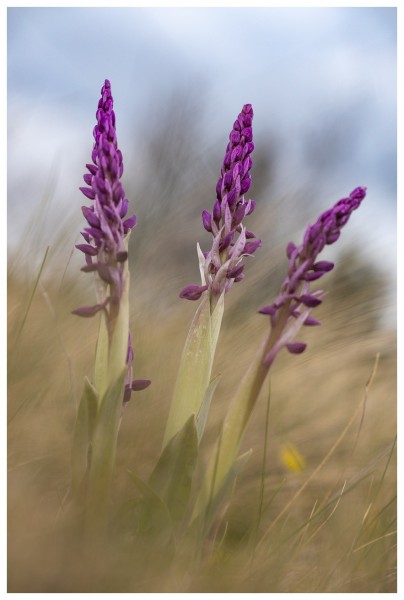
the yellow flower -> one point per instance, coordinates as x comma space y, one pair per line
291, 458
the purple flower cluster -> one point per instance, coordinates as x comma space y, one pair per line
222, 265
296, 301
105, 250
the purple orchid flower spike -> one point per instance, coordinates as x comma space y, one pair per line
222, 265
291, 309
104, 248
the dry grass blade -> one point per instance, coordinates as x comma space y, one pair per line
263, 471
21, 327
382, 537
328, 455
329, 516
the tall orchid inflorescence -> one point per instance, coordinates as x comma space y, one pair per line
222, 265
105, 250
292, 307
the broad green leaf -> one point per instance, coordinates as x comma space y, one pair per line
202, 415
153, 518
83, 431
195, 366
103, 451
215, 503
173, 474
237, 418
233, 428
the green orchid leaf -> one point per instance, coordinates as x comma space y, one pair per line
153, 517
235, 423
83, 431
195, 366
215, 504
202, 415
172, 476
103, 451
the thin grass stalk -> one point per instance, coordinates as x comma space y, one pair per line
38, 277
328, 455
263, 476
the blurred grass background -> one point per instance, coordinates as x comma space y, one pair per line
338, 536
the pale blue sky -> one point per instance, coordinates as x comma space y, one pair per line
300, 68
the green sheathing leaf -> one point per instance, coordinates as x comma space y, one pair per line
237, 419
173, 474
153, 516
111, 353
101, 357
216, 502
83, 431
195, 366
119, 343
110, 372
202, 415
103, 453
226, 449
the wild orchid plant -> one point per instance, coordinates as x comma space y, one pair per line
167, 494
106, 255
219, 268
287, 314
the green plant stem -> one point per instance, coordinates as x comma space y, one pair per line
236, 420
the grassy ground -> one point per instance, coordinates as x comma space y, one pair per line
285, 529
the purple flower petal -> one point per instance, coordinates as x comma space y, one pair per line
323, 265
296, 347
235, 272
309, 321
310, 301
207, 221
90, 216
290, 248
88, 311
268, 310
130, 222
140, 384
89, 192
251, 247
312, 276
87, 249
193, 292
226, 241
